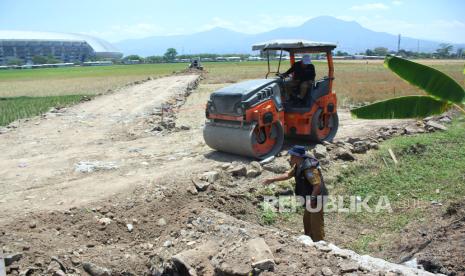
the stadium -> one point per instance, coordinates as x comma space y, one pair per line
65, 47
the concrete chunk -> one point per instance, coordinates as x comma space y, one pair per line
196, 261
436, 125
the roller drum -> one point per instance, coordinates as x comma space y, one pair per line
240, 139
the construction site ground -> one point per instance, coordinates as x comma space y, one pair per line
129, 156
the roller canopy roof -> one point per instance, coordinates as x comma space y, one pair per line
296, 45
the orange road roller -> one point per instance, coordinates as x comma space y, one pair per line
251, 118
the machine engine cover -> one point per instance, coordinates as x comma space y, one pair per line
235, 99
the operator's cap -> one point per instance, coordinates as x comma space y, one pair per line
306, 59
299, 151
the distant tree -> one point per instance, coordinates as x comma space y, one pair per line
444, 50
271, 53
369, 52
91, 58
134, 57
170, 54
340, 53
460, 52
39, 60
403, 53
52, 60
154, 59
207, 55
381, 51
15, 61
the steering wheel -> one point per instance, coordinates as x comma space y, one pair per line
280, 75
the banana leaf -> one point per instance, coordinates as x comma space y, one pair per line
401, 108
432, 81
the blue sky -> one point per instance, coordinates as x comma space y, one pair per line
117, 20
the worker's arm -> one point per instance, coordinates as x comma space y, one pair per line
288, 175
313, 176
290, 70
312, 72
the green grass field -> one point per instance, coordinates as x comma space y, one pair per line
430, 169
26, 93
77, 80
356, 81
23, 107
14, 108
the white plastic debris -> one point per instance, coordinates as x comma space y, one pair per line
91, 166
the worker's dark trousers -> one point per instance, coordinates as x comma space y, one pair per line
303, 86
314, 224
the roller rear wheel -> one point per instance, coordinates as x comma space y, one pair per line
324, 126
267, 140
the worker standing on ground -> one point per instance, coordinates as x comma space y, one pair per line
310, 186
303, 78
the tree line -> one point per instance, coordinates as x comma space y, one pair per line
445, 51
171, 55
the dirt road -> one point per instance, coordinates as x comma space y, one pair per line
38, 164
44, 161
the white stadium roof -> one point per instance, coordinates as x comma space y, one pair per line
99, 45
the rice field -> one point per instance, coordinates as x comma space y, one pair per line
14, 108
356, 81
77, 80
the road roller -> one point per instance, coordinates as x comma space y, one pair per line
252, 118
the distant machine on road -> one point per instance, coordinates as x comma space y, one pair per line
195, 64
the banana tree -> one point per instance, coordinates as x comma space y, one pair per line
443, 92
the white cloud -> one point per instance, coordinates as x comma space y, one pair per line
262, 23
369, 7
449, 23
345, 17
217, 22
138, 30
445, 30
397, 3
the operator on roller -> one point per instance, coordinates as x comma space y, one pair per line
309, 186
304, 76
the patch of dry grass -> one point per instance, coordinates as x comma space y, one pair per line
356, 81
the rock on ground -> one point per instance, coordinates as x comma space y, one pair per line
210, 176
320, 152
238, 171
229, 246
95, 270
200, 185
435, 125
278, 165
196, 261
344, 154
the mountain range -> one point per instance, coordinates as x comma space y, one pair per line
350, 37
